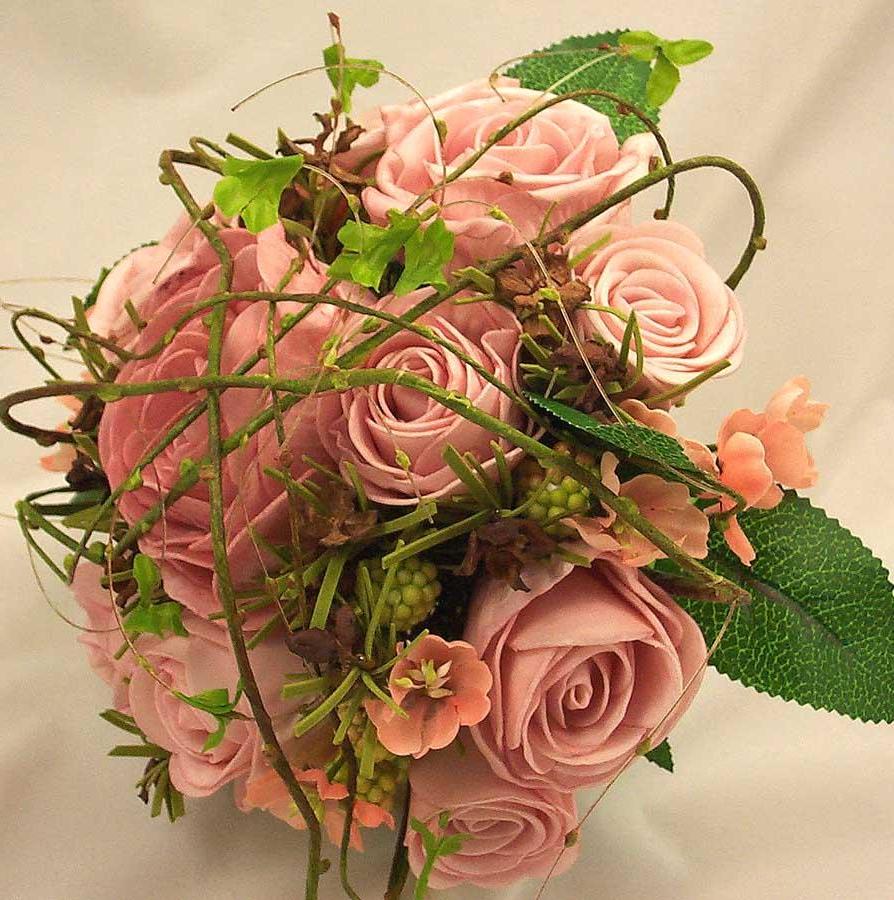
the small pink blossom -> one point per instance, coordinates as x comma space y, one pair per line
665, 504
758, 452
441, 685
267, 791
662, 421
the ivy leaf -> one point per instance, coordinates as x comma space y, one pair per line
252, 188
686, 52
427, 253
641, 44
629, 439
159, 619
621, 74
369, 248
663, 81
820, 629
349, 73
147, 577
216, 702
661, 756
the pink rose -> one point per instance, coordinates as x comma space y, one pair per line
192, 665
372, 427
586, 665
558, 163
689, 319
256, 504
516, 832
441, 685
103, 639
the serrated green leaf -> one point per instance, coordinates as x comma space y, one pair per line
251, 188
663, 81
686, 52
629, 439
820, 630
159, 619
349, 73
427, 253
619, 74
661, 756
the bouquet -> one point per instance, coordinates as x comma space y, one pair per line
374, 500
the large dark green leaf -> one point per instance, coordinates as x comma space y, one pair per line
820, 630
622, 75
629, 439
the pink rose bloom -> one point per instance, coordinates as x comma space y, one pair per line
688, 317
516, 832
758, 452
255, 503
201, 662
150, 276
266, 791
372, 427
441, 685
586, 665
560, 162
103, 639
666, 504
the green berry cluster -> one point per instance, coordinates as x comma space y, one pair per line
553, 495
413, 593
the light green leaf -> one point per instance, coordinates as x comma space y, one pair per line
159, 619
147, 577
620, 74
661, 756
686, 52
820, 629
213, 740
368, 249
663, 81
427, 253
349, 73
252, 188
641, 44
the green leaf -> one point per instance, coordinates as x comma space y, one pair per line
427, 253
369, 248
147, 577
820, 629
663, 81
686, 52
620, 74
215, 701
661, 756
156, 618
350, 73
629, 439
213, 740
641, 44
251, 188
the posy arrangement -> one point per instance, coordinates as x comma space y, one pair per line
375, 503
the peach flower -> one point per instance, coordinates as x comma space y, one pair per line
587, 664
666, 504
379, 427
441, 685
266, 790
689, 319
515, 831
556, 164
758, 452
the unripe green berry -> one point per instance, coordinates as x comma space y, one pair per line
413, 593
553, 495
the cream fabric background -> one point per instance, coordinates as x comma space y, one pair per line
770, 800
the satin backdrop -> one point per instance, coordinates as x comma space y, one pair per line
770, 800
